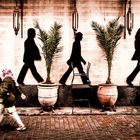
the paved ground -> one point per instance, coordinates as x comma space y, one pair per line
122, 125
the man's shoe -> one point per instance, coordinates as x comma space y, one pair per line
129, 83
21, 83
21, 128
87, 82
63, 84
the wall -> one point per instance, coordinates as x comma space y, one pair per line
48, 11
127, 96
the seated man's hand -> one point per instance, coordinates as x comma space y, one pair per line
23, 96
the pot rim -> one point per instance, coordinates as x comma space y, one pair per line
48, 85
104, 84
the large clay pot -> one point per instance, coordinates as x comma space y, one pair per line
47, 94
107, 94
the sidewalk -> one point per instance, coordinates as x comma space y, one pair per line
122, 110
124, 124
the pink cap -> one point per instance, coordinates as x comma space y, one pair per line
7, 72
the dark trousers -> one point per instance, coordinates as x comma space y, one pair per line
64, 78
131, 77
34, 72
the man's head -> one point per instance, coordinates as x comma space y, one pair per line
31, 33
78, 36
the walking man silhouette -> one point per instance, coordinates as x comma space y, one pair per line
136, 56
31, 53
76, 59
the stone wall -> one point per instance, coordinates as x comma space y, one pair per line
127, 96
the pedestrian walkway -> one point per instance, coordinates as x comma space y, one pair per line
62, 125
122, 110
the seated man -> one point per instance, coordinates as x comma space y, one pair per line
8, 93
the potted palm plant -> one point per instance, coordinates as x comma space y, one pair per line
108, 37
47, 91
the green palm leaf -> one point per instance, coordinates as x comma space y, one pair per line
50, 42
107, 38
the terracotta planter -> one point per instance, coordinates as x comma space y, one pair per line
47, 94
107, 95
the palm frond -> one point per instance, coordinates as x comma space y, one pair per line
50, 42
42, 35
54, 38
107, 38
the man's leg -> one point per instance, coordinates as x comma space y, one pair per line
35, 74
22, 74
12, 112
65, 76
131, 77
85, 79
1, 111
